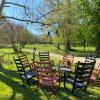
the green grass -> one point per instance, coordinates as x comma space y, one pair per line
81, 49
11, 86
78, 51
46, 47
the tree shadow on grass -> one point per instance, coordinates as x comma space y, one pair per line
89, 95
28, 93
48, 93
79, 94
58, 94
33, 93
62, 94
9, 73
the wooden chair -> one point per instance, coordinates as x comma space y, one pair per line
26, 73
24, 60
95, 74
67, 61
89, 59
45, 56
45, 75
82, 76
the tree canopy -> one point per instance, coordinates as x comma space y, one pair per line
70, 20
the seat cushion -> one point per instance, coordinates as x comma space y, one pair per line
77, 84
28, 75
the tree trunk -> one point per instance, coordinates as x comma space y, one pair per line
98, 49
98, 43
14, 48
84, 43
20, 47
67, 46
2, 6
58, 46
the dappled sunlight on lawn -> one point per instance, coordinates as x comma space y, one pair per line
5, 91
11, 86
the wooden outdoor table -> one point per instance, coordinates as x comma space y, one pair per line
64, 70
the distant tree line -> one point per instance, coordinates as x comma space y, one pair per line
72, 21
15, 35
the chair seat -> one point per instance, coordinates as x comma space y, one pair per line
28, 75
77, 84
80, 85
48, 81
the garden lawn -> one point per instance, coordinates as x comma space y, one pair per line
11, 85
78, 51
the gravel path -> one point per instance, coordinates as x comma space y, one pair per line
76, 59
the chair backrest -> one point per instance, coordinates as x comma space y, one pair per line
68, 58
83, 72
20, 69
24, 60
90, 59
26, 73
98, 70
44, 56
44, 72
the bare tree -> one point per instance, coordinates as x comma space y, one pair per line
29, 13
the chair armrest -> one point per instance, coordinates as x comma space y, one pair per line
72, 76
52, 62
56, 73
32, 67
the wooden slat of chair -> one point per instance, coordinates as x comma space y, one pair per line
67, 60
82, 76
24, 60
26, 73
45, 75
44, 56
95, 74
90, 59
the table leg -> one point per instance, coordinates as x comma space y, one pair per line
64, 79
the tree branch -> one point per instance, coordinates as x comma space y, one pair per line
25, 20
1, 6
54, 10
15, 4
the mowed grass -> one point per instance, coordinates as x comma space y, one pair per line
11, 85
46, 47
78, 51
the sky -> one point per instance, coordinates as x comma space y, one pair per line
16, 12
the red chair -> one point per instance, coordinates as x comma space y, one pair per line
67, 61
45, 75
95, 74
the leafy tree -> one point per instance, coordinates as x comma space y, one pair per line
13, 34
90, 17
65, 18
23, 37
